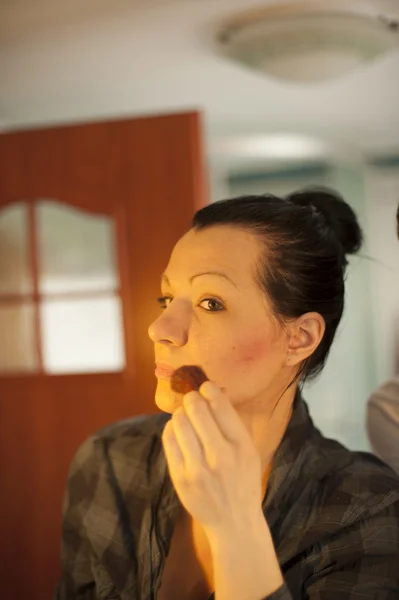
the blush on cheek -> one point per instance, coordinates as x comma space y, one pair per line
251, 351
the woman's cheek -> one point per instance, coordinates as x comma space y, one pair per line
225, 358
251, 352
230, 364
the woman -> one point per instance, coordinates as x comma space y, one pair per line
237, 493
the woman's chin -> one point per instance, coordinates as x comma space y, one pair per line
165, 399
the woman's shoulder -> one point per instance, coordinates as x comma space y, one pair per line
128, 440
133, 427
356, 485
343, 517
336, 483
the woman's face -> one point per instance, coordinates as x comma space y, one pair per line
216, 316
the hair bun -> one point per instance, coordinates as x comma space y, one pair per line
337, 213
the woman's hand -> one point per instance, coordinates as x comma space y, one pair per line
216, 471
213, 463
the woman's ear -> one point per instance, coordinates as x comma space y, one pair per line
305, 334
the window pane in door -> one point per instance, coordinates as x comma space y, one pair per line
82, 336
15, 275
17, 347
76, 250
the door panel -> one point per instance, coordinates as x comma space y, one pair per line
147, 176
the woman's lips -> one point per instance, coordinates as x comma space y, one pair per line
163, 371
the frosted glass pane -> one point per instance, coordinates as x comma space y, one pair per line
82, 336
76, 250
17, 347
15, 277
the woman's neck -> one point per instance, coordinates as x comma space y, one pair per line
267, 420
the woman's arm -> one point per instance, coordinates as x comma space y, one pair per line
245, 565
217, 473
361, 562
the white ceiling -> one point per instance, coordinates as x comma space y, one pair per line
75, 60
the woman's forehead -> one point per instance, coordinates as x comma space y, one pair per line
228, 247
216, 248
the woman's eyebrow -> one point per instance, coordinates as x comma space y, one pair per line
166, 280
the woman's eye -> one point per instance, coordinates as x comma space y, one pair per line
208, 304
211, 305
164, 301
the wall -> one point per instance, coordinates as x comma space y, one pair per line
279, 182
382, 198
338, 397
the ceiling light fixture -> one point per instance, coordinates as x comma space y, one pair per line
311, 41
277, 146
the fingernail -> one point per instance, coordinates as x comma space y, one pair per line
210, 390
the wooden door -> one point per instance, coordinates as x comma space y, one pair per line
88, 216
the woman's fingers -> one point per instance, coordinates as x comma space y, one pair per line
173, 453
187, 439
205, 426
224, 414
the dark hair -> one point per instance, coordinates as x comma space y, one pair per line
306, 236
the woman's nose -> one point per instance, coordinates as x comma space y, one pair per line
169, 328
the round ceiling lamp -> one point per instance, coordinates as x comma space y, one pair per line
309, 42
